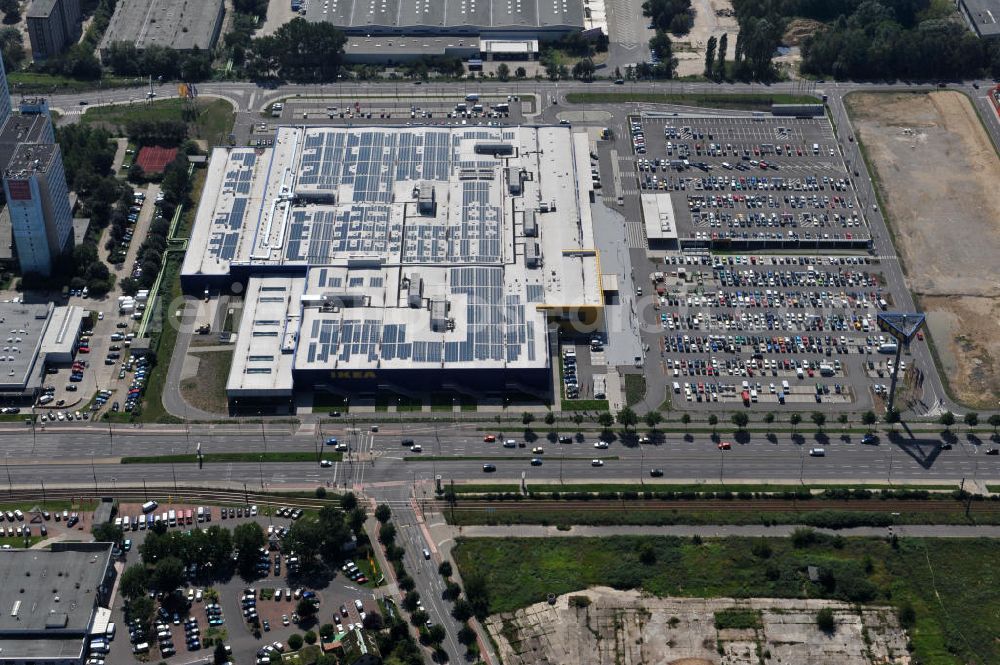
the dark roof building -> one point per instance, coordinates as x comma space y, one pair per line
49, 599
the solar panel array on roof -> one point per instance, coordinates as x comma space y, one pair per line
317, 235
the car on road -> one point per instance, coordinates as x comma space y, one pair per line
944, 445
326, 464
993, 451
725, 445
537, 450
489, 438
601, 445
332, 441
536, 461
817, 452
596, 462
426, 553
656, 473
869, 439
565, 439
416, 448
489, 468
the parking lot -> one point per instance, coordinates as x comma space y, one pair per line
767, 294
750, 181
253, 616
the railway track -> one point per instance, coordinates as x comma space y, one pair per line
185, 494
756, 505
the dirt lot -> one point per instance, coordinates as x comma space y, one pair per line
690, 49
938, 171
626, 628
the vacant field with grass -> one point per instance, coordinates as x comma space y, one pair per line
936, 169
208, 388
213, 119
950, 583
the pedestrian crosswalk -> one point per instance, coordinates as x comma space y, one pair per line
635, 235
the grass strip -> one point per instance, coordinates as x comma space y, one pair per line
775, 488
270, 458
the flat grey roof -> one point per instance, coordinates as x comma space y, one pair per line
985, 15
22, 328
41, 8
29, 158
178, 24
432, 15
47, 599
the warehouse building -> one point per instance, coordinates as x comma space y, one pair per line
513, 18
983, 16
182, 25
402, 258
51, 600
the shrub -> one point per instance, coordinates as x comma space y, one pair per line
825, 620
295, 642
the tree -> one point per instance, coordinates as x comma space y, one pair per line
305, 537
451, 590
11, 10
584, 69
869, 419
436, 633
907, 615
356, 520
107, 533
383, 513
720, 61
647, 554
462, 611
248, 538
373, 621
947, 419
627, 417
605, 420
769, 420
348, 502
971, 419
168, 574
713, 420
466, 635
444, 569
306, 608
892, 417
134, 582
327, 631
295, 642
550, 418
794, 420
219, 655
577, 420
818, 418
140, 609
477, 590
520, 72
527, 418
310, 637
503, 71
842, 419
299, 50
825, 620
410, 601
12, 47
418, 618
387, 534
740, 419
685, 420
710, 57
994, 421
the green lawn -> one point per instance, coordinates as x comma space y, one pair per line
163, 342
951, 583
585, 405
635, 389
719, 101
214, 120
445, 401
267, 458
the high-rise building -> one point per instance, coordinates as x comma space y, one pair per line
53, 25
5, 105
38, 201
34, 181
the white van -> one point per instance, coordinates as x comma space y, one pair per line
110, 632
149, 506
677, 387
784, 386
509, 443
